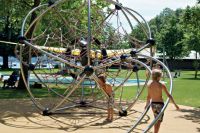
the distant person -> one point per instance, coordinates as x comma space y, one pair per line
11, 80
108, 89
156, 66
148, 63
155, 89
1, 78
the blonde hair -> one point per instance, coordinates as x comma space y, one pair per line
156, 73
102, 78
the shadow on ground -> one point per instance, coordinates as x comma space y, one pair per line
192, 115
23, 114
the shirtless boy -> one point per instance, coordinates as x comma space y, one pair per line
155, 89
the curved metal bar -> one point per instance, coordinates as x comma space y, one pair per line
37, 104
148, 27
166, 103
34, 9
139, 94
109, 15
129, 21
140, 119
143, 28
25, 19
127, 10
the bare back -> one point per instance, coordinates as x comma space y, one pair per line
155, 91
106, 87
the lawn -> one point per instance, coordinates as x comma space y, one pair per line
186, 90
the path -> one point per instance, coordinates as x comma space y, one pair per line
21, 116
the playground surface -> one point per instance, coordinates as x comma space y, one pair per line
22, 117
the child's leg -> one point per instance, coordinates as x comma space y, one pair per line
157, 127
4, 83
111, 113
108, 110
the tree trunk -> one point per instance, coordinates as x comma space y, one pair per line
196, 66
5, 59
21, 84
196, 73
8, 37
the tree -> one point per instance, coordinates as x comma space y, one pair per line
21, 84
191, 25
169, 33
10, 23
52, 21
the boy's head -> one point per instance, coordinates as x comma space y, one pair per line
102, 78
157, 65
156, 74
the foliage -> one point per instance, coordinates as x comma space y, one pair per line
191, 24
12, 15
177, 32
168, 33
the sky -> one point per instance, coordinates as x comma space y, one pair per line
150, 8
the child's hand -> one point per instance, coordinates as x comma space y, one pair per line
146, 106
177, 107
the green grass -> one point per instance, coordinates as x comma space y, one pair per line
13, 94
186, 90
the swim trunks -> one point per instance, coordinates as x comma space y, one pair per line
157, 107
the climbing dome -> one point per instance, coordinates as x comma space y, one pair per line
69, 43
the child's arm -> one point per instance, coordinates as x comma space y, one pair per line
108, 89
148, 98
170, 96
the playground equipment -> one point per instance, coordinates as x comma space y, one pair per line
83, 40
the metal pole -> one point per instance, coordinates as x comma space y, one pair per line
89, 32
164, 61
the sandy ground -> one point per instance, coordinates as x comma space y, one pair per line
20, 116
